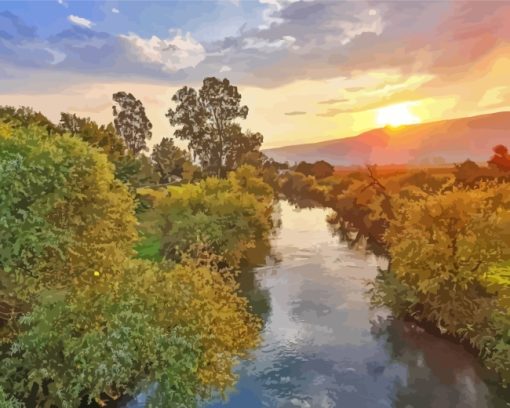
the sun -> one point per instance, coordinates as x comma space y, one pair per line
396, 115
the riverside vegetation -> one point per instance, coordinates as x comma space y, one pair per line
446, 233
92, 307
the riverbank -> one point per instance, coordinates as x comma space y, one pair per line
324, 345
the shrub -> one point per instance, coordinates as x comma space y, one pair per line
225, 216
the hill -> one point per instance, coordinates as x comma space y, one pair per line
447, 141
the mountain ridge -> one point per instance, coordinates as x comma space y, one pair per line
451, 140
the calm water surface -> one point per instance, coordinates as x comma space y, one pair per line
322, 345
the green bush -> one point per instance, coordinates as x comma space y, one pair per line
223, 216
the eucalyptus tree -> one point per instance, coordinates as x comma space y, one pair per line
207, 120
131, 122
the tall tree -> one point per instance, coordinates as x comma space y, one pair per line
131, 122
206, 119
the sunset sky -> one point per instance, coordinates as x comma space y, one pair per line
308, 70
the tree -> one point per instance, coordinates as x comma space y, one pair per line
103, 137
206, 119
24, 117
442, 247
239, 144
304, 168
84, 319
63, 214
131, 122
223, 216
168, 159
501, 159
184, 327
322, 169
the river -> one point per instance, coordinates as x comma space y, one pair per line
324, 347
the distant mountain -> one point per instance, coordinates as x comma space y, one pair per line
448, 141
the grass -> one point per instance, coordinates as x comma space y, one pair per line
149, 247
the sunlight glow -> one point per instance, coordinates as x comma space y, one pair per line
396, 115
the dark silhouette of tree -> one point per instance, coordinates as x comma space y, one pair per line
168, 159
103, 137
131, 122
320, 169
304, 168
501, 159
206, 119
24, 117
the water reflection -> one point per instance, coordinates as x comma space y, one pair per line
323, 346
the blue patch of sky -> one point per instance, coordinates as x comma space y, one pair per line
205, 20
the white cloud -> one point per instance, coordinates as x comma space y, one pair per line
62, 3
58, 56
181, 51
260, 44
225, 68
115, 10
83, 22
363, 24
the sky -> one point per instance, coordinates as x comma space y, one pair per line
308, 70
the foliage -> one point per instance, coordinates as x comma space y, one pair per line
60, 204
320, 169
85, 320
206, 119
8, 402
227, 216
501, 158
103, 137
302, 190
131, 122
169, 160
442, 247
365, 203
24, 117
446, 235
470, 174
108, 339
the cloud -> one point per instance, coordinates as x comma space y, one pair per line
332, 101
62, 3
172, 54
295, 113
263, 45
80, 21
298, 40
58, 56
13, 29
115, 10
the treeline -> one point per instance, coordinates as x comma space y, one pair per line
86, 316
446, 235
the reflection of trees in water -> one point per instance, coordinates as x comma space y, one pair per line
440, 373
355, 238
258, 256
259, 299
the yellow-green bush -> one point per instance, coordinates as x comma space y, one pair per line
223, 216
184, 328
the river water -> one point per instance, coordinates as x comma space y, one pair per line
323, 346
